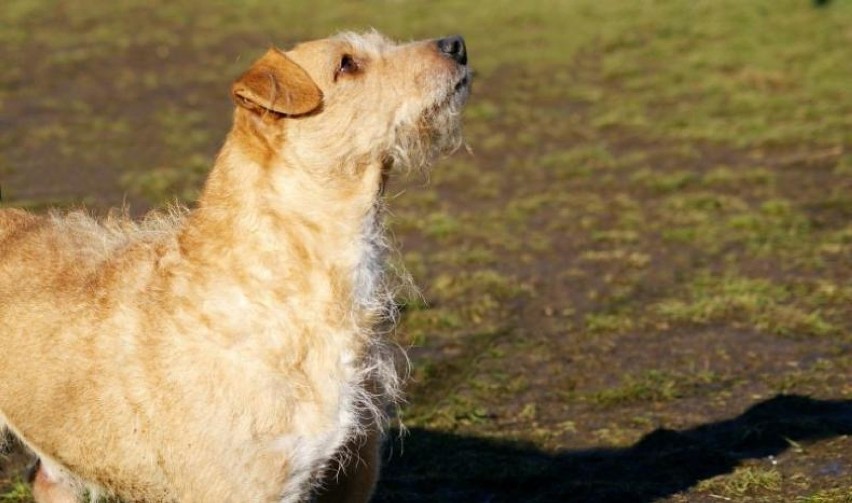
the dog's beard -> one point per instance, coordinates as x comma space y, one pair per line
436, 132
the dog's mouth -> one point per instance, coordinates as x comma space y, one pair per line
457, 91
463, 85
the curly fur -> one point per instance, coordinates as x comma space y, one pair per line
234, 351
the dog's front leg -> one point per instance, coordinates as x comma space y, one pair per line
356, 480
49, 487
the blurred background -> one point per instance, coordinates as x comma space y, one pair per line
637, 281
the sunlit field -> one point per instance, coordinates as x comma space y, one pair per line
636, 280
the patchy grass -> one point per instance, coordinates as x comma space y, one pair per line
757, 304
654, 386
649, 236
17, 492
745, 481
842, 495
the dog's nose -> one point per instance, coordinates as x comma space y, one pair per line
454, 48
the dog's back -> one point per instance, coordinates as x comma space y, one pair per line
13, 221
70, 244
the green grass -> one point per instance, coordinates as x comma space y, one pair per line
652, 386
842, 495
18, 492
757, 304
745, 481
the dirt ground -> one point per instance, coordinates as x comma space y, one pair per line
636, 281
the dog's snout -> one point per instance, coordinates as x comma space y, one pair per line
454, 48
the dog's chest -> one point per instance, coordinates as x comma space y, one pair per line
368, 277
300, 346
369, 301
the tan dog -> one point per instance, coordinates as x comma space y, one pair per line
230, 353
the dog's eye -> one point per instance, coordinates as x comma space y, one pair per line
348, 64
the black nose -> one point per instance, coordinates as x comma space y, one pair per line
454, 48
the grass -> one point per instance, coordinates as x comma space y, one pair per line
17, 492
745, 481
654, 386
758, 304
828, 496
651, 229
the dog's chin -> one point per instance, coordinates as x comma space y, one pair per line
436, 133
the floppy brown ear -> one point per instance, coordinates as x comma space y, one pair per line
276, 83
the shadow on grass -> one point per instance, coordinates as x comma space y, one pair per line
450, 468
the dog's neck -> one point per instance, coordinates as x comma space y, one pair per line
264, 217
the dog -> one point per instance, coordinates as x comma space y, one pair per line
235, 351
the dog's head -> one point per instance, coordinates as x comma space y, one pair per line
357, 99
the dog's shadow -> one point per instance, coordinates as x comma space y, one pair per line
450, 468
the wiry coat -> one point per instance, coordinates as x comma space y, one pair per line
228, 353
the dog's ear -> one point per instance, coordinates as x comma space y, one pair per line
276, 83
